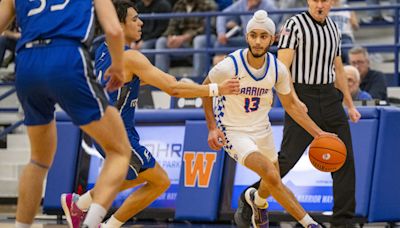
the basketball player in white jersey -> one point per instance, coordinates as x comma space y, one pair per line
241, 125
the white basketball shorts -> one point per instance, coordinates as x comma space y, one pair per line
239, 144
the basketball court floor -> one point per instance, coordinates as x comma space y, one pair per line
7, 219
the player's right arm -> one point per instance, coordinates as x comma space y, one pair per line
7, 13
216, 137
220, 72
115, 40
137, 64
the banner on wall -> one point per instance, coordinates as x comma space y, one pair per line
166, 145
312, 188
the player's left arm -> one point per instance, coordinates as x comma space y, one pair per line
293, 106
341, 84
7, 14
139, 65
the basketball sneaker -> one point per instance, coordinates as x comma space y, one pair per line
73, 214
259, 218
243, 213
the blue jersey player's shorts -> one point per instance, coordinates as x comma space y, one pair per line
58, 72
141, 159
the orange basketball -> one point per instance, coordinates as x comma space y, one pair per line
327, 153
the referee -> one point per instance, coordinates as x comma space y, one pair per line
310, 47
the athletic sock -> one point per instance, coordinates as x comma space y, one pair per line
95, 215
260, 202
84, 201
307, 220
22, 225
112, 222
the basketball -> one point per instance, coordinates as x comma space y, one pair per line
327, 153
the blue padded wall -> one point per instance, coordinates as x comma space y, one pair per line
385, 193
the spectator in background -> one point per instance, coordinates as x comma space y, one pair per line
284, 4
347, 22
288, 4
222, 4
376, 15
353, 81
372, 81
226, 24
172, 2
152, 29
186, 32
8, 41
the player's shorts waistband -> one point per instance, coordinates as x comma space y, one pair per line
52, 42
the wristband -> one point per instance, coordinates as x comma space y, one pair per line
213, 87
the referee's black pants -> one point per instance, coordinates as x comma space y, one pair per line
324, 103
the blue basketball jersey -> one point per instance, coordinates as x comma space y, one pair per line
57, 19
124, 99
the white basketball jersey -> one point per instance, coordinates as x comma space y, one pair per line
248, 110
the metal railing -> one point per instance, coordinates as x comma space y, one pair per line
390, 47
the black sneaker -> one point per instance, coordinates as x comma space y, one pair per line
243, 214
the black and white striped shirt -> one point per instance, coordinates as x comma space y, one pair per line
316, 45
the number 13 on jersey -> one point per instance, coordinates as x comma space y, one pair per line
251, 104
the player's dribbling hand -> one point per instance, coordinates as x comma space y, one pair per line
324, 133
354, 115
229, 86
115, 76
216, 139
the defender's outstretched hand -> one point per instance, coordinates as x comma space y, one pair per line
229, 86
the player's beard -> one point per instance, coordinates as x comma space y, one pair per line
257, 55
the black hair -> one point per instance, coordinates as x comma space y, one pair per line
122, 6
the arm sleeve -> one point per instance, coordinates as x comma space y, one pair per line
222, 71
282, 86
